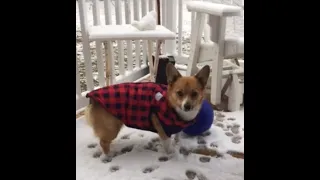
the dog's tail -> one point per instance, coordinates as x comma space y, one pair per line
88, 114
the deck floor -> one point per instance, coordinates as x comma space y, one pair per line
144, 150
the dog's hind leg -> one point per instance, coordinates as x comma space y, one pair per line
112, 128
105, 126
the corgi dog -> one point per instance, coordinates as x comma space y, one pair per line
163, 109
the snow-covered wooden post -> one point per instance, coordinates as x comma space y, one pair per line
78, 89
97, 22
170, 23
86, 43
217, 21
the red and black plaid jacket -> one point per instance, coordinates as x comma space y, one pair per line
133, 103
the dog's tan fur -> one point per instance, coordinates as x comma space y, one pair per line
106, 127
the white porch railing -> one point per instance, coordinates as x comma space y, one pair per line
129, 57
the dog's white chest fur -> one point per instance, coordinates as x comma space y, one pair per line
187, 115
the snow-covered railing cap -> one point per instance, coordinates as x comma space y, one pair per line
213, 8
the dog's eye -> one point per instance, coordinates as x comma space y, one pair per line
194, 94
180, 93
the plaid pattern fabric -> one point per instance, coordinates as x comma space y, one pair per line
133, 103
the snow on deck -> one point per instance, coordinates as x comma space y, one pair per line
129, 32
139, 154
227, 134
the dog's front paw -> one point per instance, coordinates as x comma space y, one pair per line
170, 149
106, 158
168, 146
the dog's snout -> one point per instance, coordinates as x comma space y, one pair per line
187, 107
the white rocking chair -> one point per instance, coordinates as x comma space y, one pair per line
216, 50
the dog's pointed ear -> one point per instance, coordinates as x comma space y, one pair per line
172, 73
203, 75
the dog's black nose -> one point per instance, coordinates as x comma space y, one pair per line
187, 107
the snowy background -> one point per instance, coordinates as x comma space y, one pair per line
235, 27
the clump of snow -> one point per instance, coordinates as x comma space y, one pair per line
147, 22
